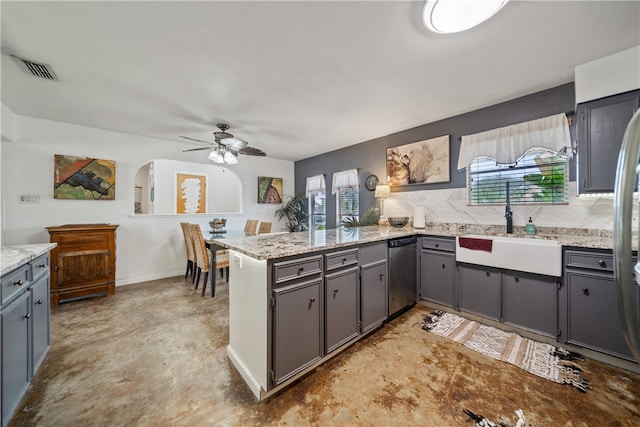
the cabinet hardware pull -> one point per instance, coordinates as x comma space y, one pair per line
300, 270
312, 300
437, 245
344, 260
381, 276
335, 291
601, 263
443, 266
517, 279
585, 291
488, 274
39, 302
55, 268
18, 283
28, 315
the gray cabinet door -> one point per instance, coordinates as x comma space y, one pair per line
530, 302
341, 308
40, 321
15, 353
437, 277
480, 290
373, 295
600, 131
593, 319
297, 328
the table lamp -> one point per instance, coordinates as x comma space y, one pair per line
382, 192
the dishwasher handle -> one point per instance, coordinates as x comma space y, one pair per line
404, 241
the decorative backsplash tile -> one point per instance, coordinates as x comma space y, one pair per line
450, 206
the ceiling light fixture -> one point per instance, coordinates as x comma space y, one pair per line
220, 155
454, 16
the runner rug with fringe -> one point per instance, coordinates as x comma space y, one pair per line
544, 360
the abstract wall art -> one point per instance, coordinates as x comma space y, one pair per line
191, 193
269, 190
423, 162
83, 178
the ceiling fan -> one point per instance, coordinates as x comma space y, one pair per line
226, 147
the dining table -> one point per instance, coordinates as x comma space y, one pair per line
214, 246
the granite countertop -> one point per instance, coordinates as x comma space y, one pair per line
12, 257
271, 246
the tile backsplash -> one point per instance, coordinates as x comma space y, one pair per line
450, 206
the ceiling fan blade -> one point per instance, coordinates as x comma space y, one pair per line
235, 143
197, 149
193, 139
251, 151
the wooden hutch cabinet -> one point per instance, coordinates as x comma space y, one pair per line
83, 264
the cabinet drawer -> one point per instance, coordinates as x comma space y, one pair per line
439, 244
39, 266
289, 270
341, 259
590, 260
15, 282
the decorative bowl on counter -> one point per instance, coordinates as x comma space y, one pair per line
218, 224
398, 221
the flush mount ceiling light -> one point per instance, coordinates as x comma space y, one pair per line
453, 16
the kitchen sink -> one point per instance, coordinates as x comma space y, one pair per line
540, 256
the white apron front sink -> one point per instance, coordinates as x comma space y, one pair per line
538, 256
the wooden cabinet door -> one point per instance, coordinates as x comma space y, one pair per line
15, 353
593, 317
437, 277
530, 302
40, 321
373, 294
600, 131
341, 308
480, 290
297, 329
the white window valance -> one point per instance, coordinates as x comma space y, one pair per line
345, 179
507, 144
315, 185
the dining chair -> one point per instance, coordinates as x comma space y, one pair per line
251, 226
265, 227
202, 255
188, 242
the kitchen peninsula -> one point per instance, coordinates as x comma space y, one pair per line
298, 299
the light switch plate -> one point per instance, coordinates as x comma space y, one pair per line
29, 198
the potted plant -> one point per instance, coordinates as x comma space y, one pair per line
292, 212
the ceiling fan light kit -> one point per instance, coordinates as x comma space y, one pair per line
226, 147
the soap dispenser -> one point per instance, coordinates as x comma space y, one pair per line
530, 228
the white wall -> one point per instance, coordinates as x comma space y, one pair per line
148, 247
617, 73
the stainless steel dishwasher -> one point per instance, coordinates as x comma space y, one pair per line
402, 274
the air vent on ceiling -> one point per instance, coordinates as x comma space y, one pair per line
43, 71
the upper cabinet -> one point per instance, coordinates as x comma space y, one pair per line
600, 130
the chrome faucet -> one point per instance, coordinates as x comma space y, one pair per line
507, 213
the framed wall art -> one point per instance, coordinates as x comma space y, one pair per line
83, 178
269, 190
423, 162
191, 193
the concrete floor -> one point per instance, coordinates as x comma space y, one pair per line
154, 355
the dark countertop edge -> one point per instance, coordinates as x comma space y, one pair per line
567, 237
12, 257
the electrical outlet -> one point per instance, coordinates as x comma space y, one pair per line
237, 260
29, 198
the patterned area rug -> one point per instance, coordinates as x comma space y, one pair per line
544, 360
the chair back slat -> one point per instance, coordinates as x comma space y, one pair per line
188, 241
251, 226
265, 227
202, 260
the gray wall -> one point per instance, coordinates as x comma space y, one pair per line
369, 157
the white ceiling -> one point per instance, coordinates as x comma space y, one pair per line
295, 79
